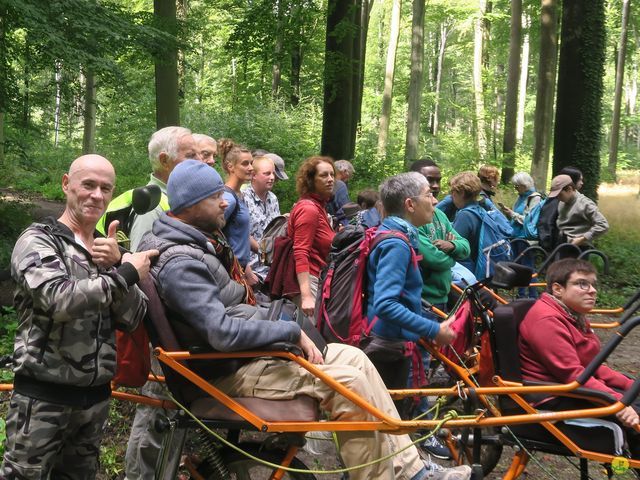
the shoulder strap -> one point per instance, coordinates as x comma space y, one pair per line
234, 214
382, 235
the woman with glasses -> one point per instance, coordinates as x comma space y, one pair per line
394, 281
528, 198
556, 342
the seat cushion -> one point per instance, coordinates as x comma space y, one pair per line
301, 409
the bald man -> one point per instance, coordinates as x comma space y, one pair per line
72, 292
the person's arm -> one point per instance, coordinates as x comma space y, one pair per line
531, 202
231, 204
393, 259
461, 248
551, 343
188, 288
432, 257
599, 223
37, 266
305, 221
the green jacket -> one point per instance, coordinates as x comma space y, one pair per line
436, 264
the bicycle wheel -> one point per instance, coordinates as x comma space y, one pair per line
241, 467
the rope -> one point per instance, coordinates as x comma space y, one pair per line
451, 415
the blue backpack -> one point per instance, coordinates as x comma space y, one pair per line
531, 219
493, 242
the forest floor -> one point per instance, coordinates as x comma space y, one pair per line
620, 206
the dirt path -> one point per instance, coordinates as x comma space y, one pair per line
41, 206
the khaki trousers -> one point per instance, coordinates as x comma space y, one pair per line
272, 378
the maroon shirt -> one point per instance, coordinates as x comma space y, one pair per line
311, 233
554, 349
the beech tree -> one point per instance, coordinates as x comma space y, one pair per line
580, 88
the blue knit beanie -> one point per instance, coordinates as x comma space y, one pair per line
190, 182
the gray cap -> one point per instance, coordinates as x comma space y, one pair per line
278, 162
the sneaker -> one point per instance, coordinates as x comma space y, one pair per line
438, 472
434, 447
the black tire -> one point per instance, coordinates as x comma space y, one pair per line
490, 453
242, 467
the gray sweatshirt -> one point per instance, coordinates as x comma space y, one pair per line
580, 217
190, 283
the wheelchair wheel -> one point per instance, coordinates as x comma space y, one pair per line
241, 467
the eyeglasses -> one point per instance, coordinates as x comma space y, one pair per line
427, 196
585, 284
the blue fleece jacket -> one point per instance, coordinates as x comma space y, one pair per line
468, 226
394, 287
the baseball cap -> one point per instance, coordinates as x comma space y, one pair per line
278, 162
558, 183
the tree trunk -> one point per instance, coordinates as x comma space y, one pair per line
166, 67
363, 13
511, 105
617, 99
56, 115
4, 79
89, 132
387, 94
545, 88
580, 88
414, 100
277, 52
338, 132
524, 76
442, 46
296, 64
478, 91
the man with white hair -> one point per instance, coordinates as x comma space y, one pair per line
167, 147
344, 171
206, 148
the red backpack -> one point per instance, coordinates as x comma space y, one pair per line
341, 304
133, 357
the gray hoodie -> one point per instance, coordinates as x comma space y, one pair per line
580, 217
195, 287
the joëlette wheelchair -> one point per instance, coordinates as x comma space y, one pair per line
206, 408
495, 363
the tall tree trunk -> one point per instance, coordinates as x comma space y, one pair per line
26, 76
545, 88
338, 132
617, 99
414, 100
478, 90
442, 46
387, 94
89, 132
363, 14
166, 67
56, 115
277, 51
522, 82
580, 88
296, 65
511, 105
4, 79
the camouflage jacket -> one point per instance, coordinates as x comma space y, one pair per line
68, 308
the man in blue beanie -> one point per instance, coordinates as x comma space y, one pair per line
197, 278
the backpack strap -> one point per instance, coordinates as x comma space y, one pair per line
234, 214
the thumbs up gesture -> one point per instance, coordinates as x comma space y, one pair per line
105, 252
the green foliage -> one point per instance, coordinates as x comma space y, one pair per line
8, 325
15, 217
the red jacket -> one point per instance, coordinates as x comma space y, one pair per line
311, 233
554, 349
